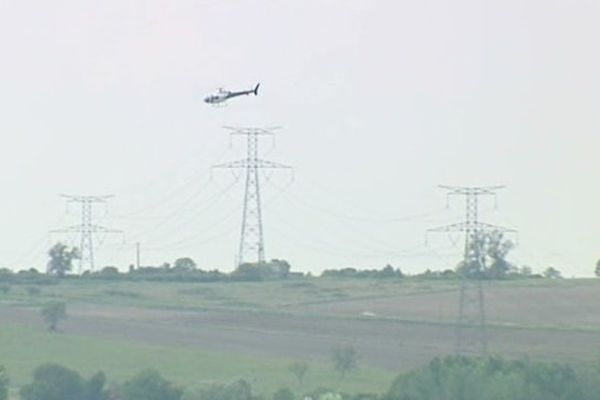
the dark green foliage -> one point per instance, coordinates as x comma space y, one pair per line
283, 394
344, 360
239, 390
322, 393
6, 274
272, 270
150, 385
588, 376
29, 276
95, 388
387, 272
109, 273
497, 249
61, 259
487, 257
52, 313
184, 264
437, 275
552, 273
487, 379
362, 396
4, 381
54, 382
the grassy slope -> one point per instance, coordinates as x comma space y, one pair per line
23, 348
263, 296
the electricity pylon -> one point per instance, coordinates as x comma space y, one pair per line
471, 308
87, 229
252, 245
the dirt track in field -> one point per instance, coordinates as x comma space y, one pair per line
381, 343
552, 306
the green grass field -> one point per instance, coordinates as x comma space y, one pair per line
236, 295
23, 348
537, 315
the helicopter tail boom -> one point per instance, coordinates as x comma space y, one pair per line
255, 91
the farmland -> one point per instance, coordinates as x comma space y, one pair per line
219, 332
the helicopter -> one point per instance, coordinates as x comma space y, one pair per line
223, 95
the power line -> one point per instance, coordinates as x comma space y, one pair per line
471, 310
417, 217
87, 229
252, 236
181, 220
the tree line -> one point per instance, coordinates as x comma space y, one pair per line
487, 258
449, 378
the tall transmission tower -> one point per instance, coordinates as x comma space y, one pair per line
252, 245
471, 327
87, 229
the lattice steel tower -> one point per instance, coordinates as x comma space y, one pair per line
252, 245
471, 321
87, 229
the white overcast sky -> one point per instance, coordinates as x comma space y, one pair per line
380, 101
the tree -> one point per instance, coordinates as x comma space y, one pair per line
53, 382
95, 388
61, 259
150, 385
4, 381
552, 273
239, 390
299, 369
185, 264
487, 256
344, 360
52, 313
526, 271
262, 271
109, 272
497, 249
493, 378
283, 394
597, 270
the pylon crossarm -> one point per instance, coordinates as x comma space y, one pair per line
102, 229
252, 131
491, 227
69, 229
233, 164
460, 226
270, 164
95, 199
472, 190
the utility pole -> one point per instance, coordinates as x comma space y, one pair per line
137, 255
471, 309
252, 246
87, 229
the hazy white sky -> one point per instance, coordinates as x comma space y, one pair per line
380, 101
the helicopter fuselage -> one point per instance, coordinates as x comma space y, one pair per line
223, 95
